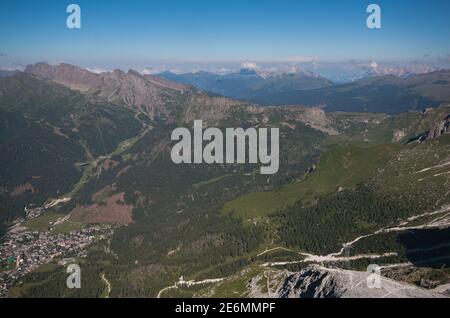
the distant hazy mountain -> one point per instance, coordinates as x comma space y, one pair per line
388, 94
248, 84
376, 92
342, 73
6, 73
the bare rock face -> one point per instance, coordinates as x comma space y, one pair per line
136, 92
316, 118
438, 121
209, 108
320, 282
152, 96
442, 127
68, 75
311, 283
132, 89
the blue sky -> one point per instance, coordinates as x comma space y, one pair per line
135, 32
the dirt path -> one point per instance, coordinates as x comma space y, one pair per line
439, 222
183, 283
108, 285
275, 249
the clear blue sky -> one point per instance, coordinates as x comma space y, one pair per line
219, 30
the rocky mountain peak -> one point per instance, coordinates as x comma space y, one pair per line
68, 75
147, 94
131, 89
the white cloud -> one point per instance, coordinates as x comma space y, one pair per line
373, 65
249, 65
148, 71
223, 70
97, 70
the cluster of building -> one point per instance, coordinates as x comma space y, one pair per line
33, 212
22, 251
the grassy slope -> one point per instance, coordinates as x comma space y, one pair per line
341, 166
42, 222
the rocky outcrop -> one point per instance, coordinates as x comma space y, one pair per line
320, 282
316, 118
442, 127
311, 283
438, 121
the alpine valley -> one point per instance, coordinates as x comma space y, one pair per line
87, 178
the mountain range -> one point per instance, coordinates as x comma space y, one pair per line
354, 188
248, 84
374, 93
147, 95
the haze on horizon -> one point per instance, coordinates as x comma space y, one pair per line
221, 35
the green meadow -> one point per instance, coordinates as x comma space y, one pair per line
339, 167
